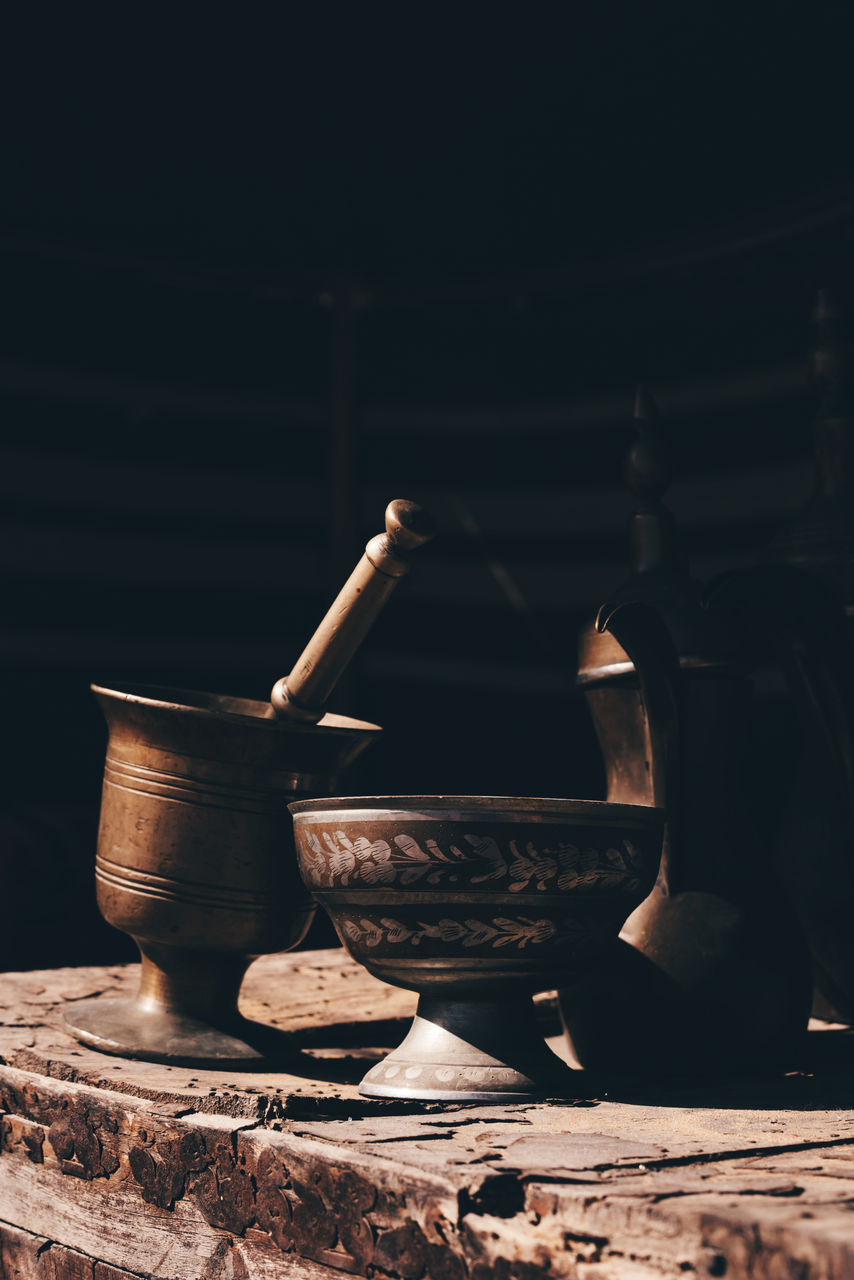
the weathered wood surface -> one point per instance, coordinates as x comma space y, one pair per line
109, 1167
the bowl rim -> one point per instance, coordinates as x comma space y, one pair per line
454, 807
222, 706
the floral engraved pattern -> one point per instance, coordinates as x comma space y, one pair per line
331, 858
501, 932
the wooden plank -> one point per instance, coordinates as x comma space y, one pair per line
174, 1173
25, 1256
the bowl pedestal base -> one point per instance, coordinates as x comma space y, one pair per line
460, 1050
185, 1012
121, 1027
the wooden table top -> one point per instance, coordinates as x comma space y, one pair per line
110, 1167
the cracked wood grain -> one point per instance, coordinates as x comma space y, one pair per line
164, 1172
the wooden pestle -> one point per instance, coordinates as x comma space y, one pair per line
302, 695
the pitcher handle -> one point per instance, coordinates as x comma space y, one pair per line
639, 629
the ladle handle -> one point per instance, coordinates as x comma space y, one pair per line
303, 694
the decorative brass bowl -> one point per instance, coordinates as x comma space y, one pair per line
475, 902
196, 862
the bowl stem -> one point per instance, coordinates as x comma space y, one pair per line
470, 1050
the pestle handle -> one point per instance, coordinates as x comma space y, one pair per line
303, 694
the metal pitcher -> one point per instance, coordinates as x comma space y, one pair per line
712, 962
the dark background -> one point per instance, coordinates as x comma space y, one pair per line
258, 280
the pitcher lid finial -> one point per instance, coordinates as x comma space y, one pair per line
653, 536
659, 575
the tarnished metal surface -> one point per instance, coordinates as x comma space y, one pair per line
712, 963
195, 861
475, 902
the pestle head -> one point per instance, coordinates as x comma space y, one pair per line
408, 525
283, 706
